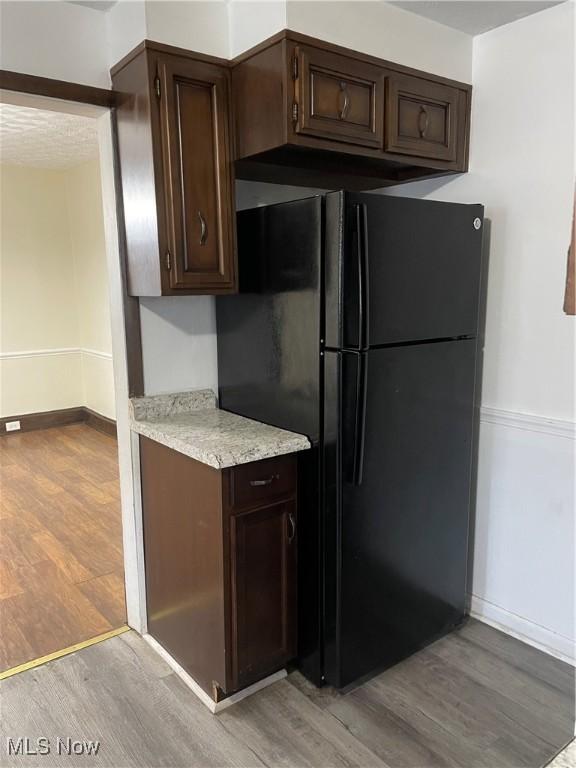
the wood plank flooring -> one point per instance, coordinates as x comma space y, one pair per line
475, 699
61, 571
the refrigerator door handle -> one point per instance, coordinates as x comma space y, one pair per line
363, 276
360, 418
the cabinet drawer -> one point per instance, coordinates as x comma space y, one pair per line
260, 481
422, 117
339, 98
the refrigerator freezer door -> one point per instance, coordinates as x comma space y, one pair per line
400, 270
397, 528
269, 333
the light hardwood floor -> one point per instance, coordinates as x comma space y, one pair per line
61, 574
475, 699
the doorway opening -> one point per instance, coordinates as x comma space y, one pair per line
65, 461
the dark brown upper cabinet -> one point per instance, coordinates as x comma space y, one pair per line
313, 113
174, 134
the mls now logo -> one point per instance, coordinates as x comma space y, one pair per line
43, 746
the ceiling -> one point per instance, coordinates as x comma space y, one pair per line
474, 16
45, 139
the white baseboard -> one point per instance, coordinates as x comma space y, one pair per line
213, 706
533, 634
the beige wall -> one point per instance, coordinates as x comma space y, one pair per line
55, 345
91, 285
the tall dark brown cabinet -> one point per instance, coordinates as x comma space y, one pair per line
174, 134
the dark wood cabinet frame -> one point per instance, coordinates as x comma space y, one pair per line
160, 155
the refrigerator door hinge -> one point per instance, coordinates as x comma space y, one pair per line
157, 86
295, 68
168, 261
295, 112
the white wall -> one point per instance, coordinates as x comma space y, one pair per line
54, 39
522, 169
383, 30
125, 26
372, 27
198, 26
251, 21
179, 343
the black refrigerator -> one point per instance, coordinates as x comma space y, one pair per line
357, 324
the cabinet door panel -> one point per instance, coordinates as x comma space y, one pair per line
339, 98
422, 118
263, 548
198, 175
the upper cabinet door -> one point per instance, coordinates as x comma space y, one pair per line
197, 165
422, 117
337, 97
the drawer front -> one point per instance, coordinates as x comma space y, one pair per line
422, 118
261, 481
339, 98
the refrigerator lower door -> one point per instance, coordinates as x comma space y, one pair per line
399, 426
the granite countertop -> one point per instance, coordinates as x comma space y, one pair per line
190, 422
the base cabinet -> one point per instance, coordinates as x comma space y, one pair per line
220, 558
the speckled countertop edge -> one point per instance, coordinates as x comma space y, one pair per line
190, 423
159, 406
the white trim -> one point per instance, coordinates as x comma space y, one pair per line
138, 531
96, 353
25, 353
529, 422
131, 509
523, 629
40, 353
212, 705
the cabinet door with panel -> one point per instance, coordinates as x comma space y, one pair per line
423, 117
175, 151
263, 594
197, 173
337, 97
